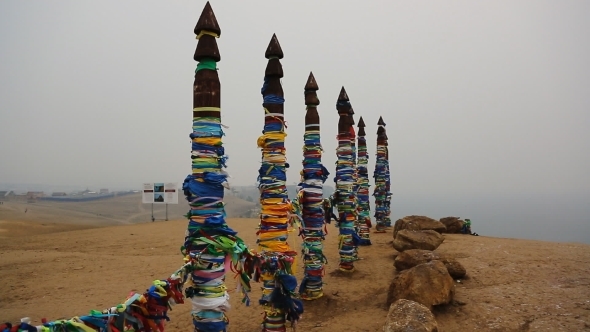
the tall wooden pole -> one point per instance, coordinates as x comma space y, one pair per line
344, 197
382, 180
313, 176
364, 207
355, 185
209, 244
275, 254
387, 178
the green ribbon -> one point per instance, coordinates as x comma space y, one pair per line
206, 64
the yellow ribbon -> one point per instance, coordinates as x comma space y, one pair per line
207, 140
276, 246
206, 109
266, 236
78, 323
277, 136
208, 33
272, 200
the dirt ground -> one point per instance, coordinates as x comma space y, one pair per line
56, 270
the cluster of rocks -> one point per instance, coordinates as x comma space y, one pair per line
453, 224
425, 277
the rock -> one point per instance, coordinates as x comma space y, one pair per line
427, 240
405, 315
453, 224
429, 284
418, 223
412, 257
456, 270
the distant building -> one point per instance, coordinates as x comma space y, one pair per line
58, 193
103, 191
35, 194
6, 195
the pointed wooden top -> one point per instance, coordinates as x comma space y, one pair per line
311, 83
381, 132
343, 95
351, 116
274, 48
207, 21
361, 123
361, 126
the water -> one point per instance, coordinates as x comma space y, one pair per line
551, 217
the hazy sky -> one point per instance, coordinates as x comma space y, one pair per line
479, 97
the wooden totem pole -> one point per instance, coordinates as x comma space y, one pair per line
275, 255
313, 176
344, 196
210, 244
382, 180
363, 207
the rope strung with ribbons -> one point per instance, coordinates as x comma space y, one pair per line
146, 312
362, 193
382, 182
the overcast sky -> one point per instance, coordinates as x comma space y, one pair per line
479, 97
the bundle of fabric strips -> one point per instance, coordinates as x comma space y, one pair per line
313, 230
362, 190
279, 297
145, 312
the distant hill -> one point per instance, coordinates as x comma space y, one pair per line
251, 193
112, 210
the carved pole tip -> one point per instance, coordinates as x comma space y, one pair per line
343, 95
207, 21
311, 83
361, 123
274, 48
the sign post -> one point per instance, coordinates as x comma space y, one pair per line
160, 193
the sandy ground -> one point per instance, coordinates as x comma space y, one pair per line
56, 270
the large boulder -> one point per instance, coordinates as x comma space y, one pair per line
427, 240
409, 316
413, 257
429, 284
418, 223
456, 269
453, 224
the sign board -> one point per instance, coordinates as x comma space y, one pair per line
160, 193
